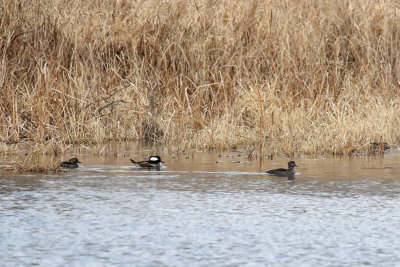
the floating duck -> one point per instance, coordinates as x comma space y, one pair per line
154, 162
71, 163
284, 172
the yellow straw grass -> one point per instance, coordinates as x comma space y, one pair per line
284, 76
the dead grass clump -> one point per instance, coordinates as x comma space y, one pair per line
32, 164
286, 76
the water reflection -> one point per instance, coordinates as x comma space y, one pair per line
199, 212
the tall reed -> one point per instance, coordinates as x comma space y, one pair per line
289, 76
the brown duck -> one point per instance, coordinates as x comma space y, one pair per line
71, 163
284, 172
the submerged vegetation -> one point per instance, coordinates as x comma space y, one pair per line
282, 76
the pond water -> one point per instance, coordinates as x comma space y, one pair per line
197, 212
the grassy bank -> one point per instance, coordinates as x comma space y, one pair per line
286, 76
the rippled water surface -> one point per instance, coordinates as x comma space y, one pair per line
196, 212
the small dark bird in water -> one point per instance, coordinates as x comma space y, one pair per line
71, 164
154, 162
284, 172
379, 146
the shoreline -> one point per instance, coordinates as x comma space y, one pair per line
40, 161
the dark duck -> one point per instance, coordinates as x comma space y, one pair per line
154, 162
284, 172
71, 163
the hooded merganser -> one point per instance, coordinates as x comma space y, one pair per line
154, 162
71, 164
379, 146
284, 172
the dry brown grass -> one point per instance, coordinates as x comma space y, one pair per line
286, 76
31, 164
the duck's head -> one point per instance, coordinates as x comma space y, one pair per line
74, 161
155, 159
292, 164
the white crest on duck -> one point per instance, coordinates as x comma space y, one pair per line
154, 158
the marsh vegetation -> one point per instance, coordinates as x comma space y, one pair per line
282, 76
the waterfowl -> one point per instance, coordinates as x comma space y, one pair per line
71, 163
154, 162
379, 146
284, 172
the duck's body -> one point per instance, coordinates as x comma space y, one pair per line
70, 164
284, 172
154, 162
